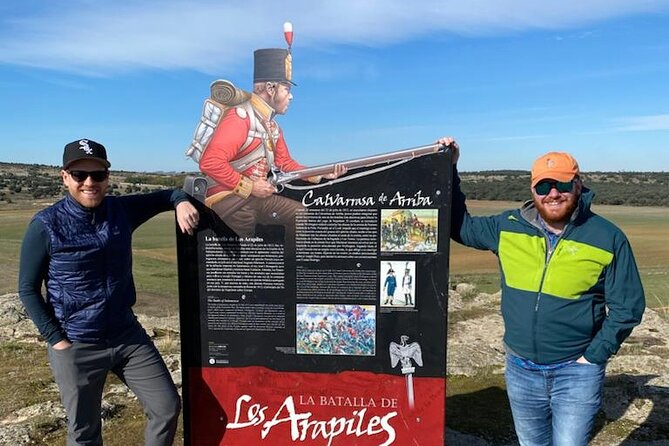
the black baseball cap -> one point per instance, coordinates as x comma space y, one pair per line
84, 149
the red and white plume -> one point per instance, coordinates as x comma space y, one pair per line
288, 33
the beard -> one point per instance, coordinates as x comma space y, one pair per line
559, 215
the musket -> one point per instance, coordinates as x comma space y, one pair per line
278, 177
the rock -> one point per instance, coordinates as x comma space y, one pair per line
17, 428
108, 410
474, 344
455, 302
465, 289
14, 321
636, 391
15, 434
50, 409
465, 301
160, 326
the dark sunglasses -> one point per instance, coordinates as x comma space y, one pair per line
96, 175
544, 187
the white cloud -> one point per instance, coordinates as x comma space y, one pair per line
92, 37
643, 123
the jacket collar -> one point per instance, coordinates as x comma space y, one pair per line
78, 210
262, 108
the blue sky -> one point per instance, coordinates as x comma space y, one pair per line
509, 80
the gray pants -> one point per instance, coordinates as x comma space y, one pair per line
81, 370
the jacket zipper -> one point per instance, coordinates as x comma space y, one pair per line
549, 253
94, 222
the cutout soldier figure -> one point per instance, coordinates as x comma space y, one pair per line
247, 143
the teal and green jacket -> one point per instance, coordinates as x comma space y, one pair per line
583, 297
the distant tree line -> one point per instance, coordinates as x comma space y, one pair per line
23, 181
170, 181
616, 188
36, 186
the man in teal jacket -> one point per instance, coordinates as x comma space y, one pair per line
571, 294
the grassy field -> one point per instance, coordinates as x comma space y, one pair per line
154, 260
647, 228
155, 254
156, 279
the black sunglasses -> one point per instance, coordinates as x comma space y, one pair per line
544, 187
96, 175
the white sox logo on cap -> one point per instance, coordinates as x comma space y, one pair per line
85, 147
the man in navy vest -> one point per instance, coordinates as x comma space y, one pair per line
80, 249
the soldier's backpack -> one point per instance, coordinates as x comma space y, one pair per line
224, 95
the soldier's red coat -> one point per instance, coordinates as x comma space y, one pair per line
224, 147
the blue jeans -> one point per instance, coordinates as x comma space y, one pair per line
554, 407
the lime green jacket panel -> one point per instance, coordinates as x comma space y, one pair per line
522, 257
573, 269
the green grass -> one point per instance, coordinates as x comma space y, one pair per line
156, 282
155, 254
12, 226
157, 234
485, 283
647, 229
479, 406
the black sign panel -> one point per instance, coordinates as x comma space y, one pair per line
331, 331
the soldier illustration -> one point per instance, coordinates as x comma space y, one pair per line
389, 286
238, 143
407, 283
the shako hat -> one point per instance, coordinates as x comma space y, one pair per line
275, 64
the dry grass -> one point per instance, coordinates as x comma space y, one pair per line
26, 377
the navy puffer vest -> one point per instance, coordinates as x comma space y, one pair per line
89, 280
